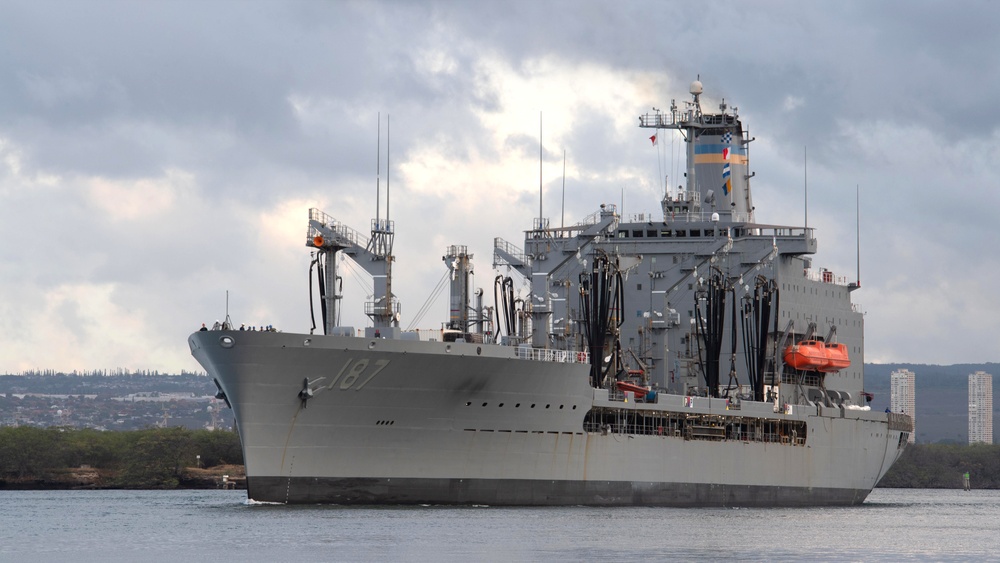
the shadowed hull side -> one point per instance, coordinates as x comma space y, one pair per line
524, 492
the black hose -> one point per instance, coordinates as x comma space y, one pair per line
734, 380
756, 317
602, 292
503, 301
322, 290
750, 341
617, 304
508, 285
312, 309
497, 284
773, 305
711, 327
763, 292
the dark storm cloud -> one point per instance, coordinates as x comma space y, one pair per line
116, 96
145, 146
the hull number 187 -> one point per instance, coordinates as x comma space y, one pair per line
357, 373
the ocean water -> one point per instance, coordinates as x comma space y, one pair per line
84, 526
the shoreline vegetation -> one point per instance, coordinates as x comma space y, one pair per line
153, 458
177, 458
942, 466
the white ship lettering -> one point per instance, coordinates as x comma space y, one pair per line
357, 369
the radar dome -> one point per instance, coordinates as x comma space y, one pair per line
696, 87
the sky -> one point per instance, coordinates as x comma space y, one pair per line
158, 159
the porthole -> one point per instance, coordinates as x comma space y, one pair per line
227, 341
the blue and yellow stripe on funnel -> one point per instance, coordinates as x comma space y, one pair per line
712, 154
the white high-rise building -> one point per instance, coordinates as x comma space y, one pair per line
981, 408
902, 398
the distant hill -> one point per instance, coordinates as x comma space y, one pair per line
942, 397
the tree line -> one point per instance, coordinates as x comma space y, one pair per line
153, 458
941, 466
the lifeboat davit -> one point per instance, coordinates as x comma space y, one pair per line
813, 355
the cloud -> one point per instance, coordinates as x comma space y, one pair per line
130, 201
156, 158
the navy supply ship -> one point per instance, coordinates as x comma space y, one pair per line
691, 358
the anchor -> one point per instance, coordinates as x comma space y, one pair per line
307, 391
220, 394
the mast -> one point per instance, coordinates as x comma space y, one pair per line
378, 167
540, 215
388, 144
393, 315
562, 219
374, 255
717, 178
383, 309
857, 234
540, 304
805, 183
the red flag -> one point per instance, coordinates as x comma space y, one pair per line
653, 138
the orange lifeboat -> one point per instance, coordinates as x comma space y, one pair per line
836, 358
640, 391
808, 355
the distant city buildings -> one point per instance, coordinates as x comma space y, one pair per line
902, 397
980, 408
112, 402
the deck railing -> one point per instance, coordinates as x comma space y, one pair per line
545, 355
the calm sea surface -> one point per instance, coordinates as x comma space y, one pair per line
893, 525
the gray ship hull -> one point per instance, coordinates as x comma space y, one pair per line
410, 422
522, 492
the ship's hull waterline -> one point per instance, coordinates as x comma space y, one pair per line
408, 422
520, 492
